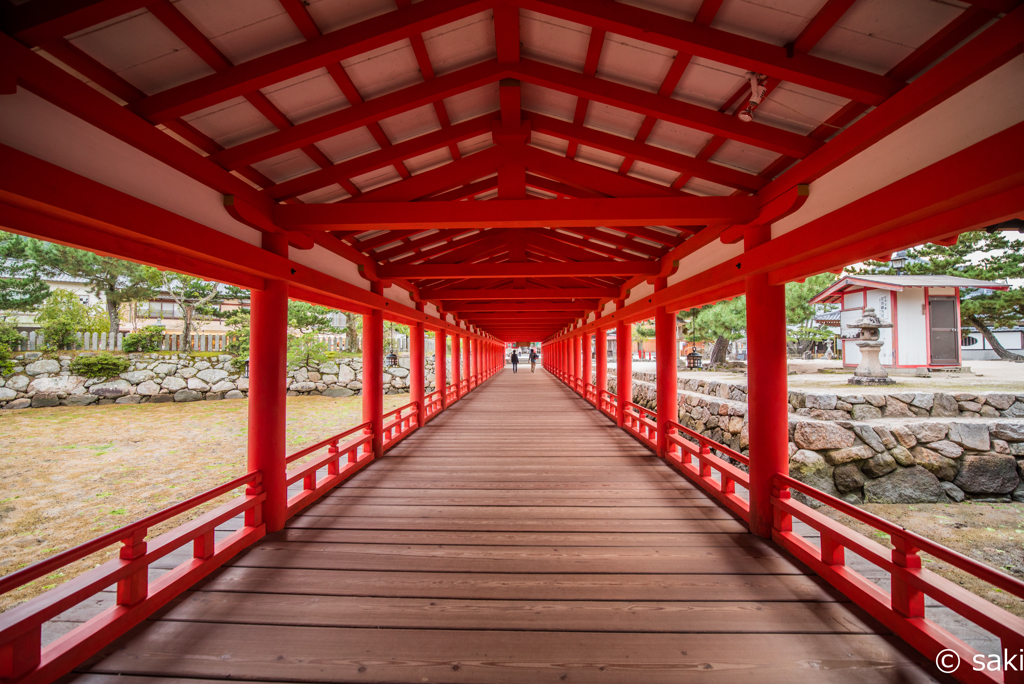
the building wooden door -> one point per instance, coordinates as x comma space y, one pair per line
944, 331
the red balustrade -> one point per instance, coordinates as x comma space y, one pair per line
433, 403
591, 393
609, 403
902, 609
22, 656
313, 488
687, 446
641, 423
399, 423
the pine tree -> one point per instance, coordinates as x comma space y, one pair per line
21, 285
978, 255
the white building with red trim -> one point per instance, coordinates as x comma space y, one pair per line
924, 311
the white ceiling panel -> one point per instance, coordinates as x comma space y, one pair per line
285, 166
652, 173
549, 143
472, 103
331, 15
596, 157
428, 161
308, 96
144, 52
798, 109
242, 29
411, 123
704, 188
709, 84
876, 35
384, 70
231, 123
377, 178
678, 138
615, 120
773, 21
348, 145
461, 43
634, 63
547, 101
744, 157
332, 193
680, 9
555, 41
480, 142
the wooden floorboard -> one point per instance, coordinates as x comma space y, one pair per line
519, 537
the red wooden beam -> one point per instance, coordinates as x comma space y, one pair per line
525, 270
443, 177
589, 176
560, 189
646, 153
469, 190
606, 250
655, 211
438, 243
465, 294
986, 52
723, 47
590, 63
665, 108
358, 116
302, 58
573, 307
37, 23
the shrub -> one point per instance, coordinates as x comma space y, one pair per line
149, 339
304, 349
99, 366
60, 333
6, 365
9, 336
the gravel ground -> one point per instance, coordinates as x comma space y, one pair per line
69, 474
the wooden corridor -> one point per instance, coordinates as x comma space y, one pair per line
519, 537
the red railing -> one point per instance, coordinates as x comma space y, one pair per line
433, 403
641, 423
313, 488
591, 393
451, 393
22, 656
399, 423
686, 446
902, 608
609, 403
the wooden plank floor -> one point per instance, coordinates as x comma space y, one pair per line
519, 537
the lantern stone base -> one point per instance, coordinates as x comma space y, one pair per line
870, 370
856, 380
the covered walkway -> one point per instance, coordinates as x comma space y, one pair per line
518, 537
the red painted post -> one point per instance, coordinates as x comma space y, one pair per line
767, 387
268, 368
456, 363
417, 387
465, 362
623, 370
441, 366
373, 373
602, 362
587, 346
667, 373
574, 357
474, 358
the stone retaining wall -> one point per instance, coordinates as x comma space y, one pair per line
888, 459
40, 380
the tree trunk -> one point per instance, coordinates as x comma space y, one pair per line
991, 338
115, 319
719, 351
351, 336
186, 329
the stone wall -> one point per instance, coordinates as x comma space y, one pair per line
40, 380
884, 459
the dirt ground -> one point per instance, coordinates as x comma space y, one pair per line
69, 474
990, 533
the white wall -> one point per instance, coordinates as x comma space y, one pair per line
913, 331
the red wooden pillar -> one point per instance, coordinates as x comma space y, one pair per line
602, 362
585, 360
475, 358
417, 358
268, 369
440, 366
667, 373
456, 363
373, 373
574, 357
465, 362
767, 387
623, 369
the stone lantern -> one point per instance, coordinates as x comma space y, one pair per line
869, 370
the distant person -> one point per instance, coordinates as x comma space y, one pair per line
533, 359
515, 361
